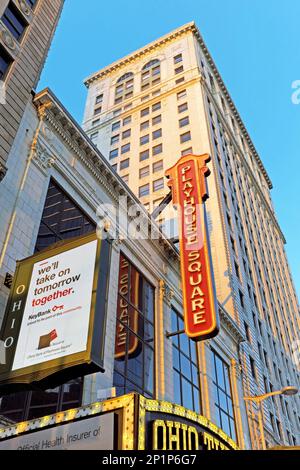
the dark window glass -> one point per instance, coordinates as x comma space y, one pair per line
125, 148
144, 155
185, 368
5, 61
62, 219
116, 125
113, 154
184, 122
144, 190
134, 347
31, 3
222, 396
157, 149
14, 21
156, 134
124, 164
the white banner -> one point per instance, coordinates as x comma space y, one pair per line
57, 312
89, 434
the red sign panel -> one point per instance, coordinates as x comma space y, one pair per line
128, 316
189, 193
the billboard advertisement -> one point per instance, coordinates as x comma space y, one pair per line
49, 322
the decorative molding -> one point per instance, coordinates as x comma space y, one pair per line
24, 7
149, 49
168, 294
8, 39
230, 326
42, 158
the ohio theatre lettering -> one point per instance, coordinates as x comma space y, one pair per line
174, 435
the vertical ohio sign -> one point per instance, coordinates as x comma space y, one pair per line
187, 179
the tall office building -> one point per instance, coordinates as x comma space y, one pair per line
26, 31
166, 100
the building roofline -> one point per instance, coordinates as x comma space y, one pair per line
139, 52
188, 27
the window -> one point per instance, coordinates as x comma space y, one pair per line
150, 74
134, 350
183, 107
113, 154
185, 367
253, 368
127, 106
179, 80
5, 61
184, 122
124, 164
158, 184
115, 167
156, 134
181, 94
247, 331
156, 107
242, 302
117, 112
237, 270
145, 112
126, 134
116, 126
157, 149
187, 151
144, 172
125, 178
222, 396
144, 125
14, 21
96, 122
98, 111
144, 139
94, 136
125, 148
99, 99
31, 3
144, 155
144, 190
156, 120
115, 139
178, 59
185, 137
127, 121
124, 87
157, 166
179, 70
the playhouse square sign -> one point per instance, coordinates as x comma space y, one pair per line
189, 193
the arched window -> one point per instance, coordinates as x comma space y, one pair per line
150, 74
124, 88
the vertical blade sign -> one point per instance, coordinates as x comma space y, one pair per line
187, 179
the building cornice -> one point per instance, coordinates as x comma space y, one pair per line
187, 28
139, 53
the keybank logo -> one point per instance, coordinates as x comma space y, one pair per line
296, 93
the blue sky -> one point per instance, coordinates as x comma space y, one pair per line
255, 44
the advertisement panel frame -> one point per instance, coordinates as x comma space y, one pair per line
56, 371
